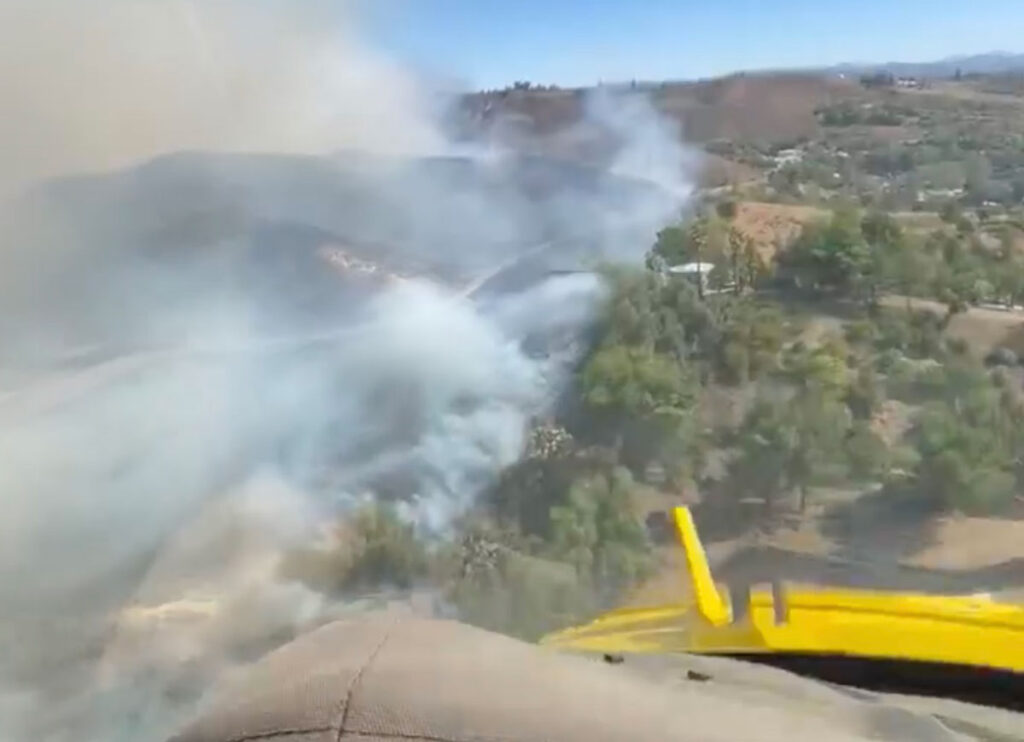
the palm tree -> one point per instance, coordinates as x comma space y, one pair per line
697, 236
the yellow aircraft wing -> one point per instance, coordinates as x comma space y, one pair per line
973, 631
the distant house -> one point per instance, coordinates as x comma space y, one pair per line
695, 273
908, 83
788, 157
942, 193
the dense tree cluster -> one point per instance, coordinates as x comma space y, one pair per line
560, 533
864, 256
969, 439
812, 420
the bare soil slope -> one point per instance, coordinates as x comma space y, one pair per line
764, 108
761, 108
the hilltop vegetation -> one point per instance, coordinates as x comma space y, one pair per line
814, 400
807, 136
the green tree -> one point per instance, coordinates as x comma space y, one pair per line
788, 444
744, 339
958, 271
597, 531
820, 422
764, 444
867, 454
631, 313
968, 442
880, 229
673, 245
637, 382
496, 583
385, 550
698, 236
645, 399
951, 212
961, 465
917, 333
822, 367
726, 210
831, 257
978, 182
911, 271
592, 549
526, 490
864, 393
1007, 272
374, 548
743, 260
887, 246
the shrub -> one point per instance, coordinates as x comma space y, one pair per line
373, 549
867, 453
1002, 357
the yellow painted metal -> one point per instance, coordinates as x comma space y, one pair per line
961, 630
710, 602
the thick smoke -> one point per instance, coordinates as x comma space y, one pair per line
209, 356
100, 85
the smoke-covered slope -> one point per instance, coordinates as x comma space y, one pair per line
259, 230
208, 357
225, 336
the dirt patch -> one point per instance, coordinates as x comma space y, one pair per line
970, 543
919, 221
965, 92
717, 172
772, 226
669, 584
981, 328
857, 540
984, 329
894, 133
779, 107
803, 536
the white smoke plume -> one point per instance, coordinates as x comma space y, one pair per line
180, 403
100, 85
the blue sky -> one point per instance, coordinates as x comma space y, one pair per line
488, 43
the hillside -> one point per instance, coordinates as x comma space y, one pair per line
294, 241
866, 240
292, 327
315, 383
764, 108
761, 108
925, 138
992, 63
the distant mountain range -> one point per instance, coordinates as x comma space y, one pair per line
987, 64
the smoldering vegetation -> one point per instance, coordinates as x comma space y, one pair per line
246, 288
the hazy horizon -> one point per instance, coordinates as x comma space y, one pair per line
579, 43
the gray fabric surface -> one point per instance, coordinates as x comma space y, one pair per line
382, 677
